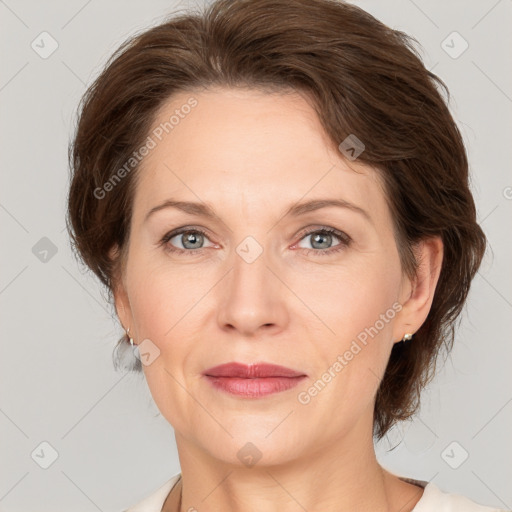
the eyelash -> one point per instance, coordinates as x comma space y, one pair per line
344, 239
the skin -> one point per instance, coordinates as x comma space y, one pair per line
250, 155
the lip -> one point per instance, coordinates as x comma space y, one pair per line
252, 381
252, 371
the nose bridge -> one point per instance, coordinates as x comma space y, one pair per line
250, 263
251, 294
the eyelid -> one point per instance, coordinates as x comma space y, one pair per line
344, 238
180, 231
326, 229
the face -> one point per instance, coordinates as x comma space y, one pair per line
318, 291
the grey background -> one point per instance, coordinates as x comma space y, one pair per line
58, 382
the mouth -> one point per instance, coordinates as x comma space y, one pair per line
252, 381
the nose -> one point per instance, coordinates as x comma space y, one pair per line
252, 298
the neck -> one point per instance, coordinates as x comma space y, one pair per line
343, 475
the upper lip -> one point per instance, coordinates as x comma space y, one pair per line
252, 371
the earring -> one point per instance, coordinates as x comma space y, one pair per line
407, 337
129, 337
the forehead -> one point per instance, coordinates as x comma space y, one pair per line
248, 147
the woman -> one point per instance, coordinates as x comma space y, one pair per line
276, 196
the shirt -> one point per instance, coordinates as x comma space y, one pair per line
432, 500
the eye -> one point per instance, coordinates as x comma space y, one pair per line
321, 240
191, 240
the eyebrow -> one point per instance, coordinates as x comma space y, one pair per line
203, 210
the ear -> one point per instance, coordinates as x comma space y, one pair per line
121, 301
417, 294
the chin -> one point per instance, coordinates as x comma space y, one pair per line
253, 442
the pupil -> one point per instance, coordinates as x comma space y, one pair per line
320, 236
192, 237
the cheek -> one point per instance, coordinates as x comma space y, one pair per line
356, 307
162, 300
350, 361
160, 297
351, 298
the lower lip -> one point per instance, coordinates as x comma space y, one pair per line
254, 388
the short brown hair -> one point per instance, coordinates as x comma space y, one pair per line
365, 79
